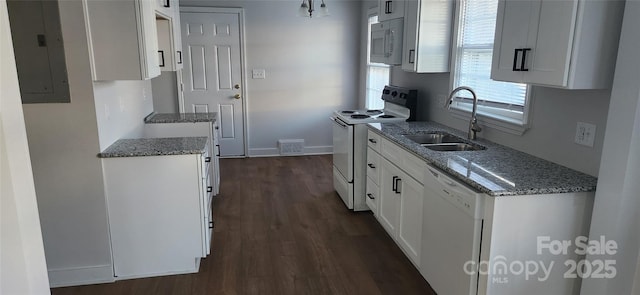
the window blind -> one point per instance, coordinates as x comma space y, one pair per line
474, 53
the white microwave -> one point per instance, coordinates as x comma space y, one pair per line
386, 42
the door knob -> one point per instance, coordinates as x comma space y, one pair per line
237, 96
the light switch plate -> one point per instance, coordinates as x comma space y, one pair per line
258, 74
585, 134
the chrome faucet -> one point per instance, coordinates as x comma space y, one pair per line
473, 123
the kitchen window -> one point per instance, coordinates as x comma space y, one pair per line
501, 105
377, 73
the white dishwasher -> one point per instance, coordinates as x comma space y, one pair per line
452, 231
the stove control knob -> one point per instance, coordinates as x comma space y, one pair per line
394, 93
386, 91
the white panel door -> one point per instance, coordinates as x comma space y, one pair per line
212, 73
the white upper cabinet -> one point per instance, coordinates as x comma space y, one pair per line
427, 35
390, 9
123, 37
569, 44
169, 35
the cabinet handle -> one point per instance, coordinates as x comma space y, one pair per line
207, 159
371, 166
161, 58
209, 189
179, 57
515, 60
371, 196
167, 4
371, 140
412, 56
524, 58
394, 184
211, 224
397, 186
388, 7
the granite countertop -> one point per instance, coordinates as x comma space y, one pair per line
141, 147
180, 117
497, 170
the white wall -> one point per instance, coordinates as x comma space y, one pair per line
554, 112
312, 68
616, 212
120, 109
63, 142
23, 267
165, 89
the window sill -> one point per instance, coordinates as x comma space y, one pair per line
503, 123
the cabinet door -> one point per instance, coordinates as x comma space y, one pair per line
165, 40
548, 62
390, 9
514, 19
427, 38
132, 26
410, 35
389, 198
410, 220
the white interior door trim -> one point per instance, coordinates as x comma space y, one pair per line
243, 68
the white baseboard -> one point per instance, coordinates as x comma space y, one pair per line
264, 152
81, 276
274, 152
318, 150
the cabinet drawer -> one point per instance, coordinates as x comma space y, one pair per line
408, 162
372, 194
373, 165
373, 140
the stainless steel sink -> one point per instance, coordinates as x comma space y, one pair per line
434, 138
453, 147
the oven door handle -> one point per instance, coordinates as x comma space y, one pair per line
339, 122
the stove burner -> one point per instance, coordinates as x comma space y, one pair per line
374, 112
386, 116
359, 116
348, 112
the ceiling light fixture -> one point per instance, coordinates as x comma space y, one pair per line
307, 9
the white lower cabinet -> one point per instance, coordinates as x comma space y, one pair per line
399, 204
158, 223
208, 129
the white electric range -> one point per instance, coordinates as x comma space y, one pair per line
349, 142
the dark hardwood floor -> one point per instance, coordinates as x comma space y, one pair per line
282, 229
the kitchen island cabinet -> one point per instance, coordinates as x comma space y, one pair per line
159, 205
189, 124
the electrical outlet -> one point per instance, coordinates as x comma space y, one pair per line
144, 93
585, 134
258, 74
